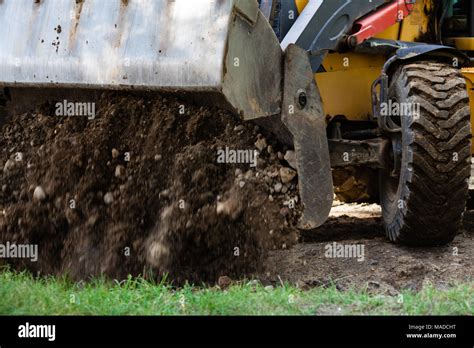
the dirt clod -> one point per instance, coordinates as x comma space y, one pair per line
115, 153
224, 282
9, 165
287, 175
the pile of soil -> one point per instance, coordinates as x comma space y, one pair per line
138, 190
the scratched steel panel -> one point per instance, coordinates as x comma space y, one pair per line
147, 44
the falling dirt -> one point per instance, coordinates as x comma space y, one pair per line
138, 189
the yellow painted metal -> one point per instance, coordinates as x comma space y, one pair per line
469, 75
462, 43
347, 92
348, 61
390, 33
301, 4
417, 24
345, 86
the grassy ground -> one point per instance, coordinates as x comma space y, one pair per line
21, 294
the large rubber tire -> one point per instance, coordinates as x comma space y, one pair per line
426, 203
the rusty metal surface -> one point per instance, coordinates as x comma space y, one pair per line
372, 153
307, 124
255, 83
172, 45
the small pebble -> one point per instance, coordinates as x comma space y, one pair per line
109, 198
239, 128
290, 157
8, 165
287, 175
120, 171
39, 195
278, 186
261, 144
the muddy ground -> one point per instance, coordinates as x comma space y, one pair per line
385, 268
139, 190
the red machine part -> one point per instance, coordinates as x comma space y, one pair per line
380, 20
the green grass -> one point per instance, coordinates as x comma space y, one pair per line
22, 294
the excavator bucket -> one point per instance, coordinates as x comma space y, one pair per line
199, 46
223, 49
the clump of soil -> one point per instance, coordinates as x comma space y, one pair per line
138, 190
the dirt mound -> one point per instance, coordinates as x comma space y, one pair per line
140, 190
